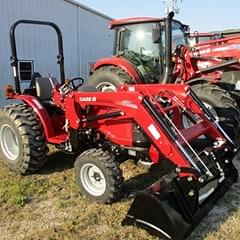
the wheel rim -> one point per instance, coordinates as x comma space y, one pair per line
9, 142
187, 123
106, 87
92, 179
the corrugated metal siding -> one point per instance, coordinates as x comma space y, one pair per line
86, 37
97, 33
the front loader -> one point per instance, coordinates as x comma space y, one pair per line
141, 122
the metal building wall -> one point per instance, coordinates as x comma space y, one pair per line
86, 37
91, 28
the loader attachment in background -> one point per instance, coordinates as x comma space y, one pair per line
172, 207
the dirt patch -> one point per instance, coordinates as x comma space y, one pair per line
48, 206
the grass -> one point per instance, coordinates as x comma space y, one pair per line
17, 190
48, 205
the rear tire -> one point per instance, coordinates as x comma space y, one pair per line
224, 106
108, 78
99, 176
22, 141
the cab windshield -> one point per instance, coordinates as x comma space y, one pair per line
138, 39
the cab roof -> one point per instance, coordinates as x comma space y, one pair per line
138, 20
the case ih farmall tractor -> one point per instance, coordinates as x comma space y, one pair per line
147, 47
141, 122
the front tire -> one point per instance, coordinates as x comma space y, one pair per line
99, 176
224, 106
22, 142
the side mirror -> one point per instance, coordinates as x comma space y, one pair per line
156, 35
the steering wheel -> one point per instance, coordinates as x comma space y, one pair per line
76, 86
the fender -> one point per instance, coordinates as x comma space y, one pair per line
40, 111
123, 64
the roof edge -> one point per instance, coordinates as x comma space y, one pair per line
78, 4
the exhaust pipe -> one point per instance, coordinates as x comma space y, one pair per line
168, 48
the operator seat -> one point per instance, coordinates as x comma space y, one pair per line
31, 90
44, 88
33, 79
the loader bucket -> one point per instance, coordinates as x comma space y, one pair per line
172, 210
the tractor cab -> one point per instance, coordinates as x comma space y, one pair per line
142, 41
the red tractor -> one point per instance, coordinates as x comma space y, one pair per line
146, 48
141, 122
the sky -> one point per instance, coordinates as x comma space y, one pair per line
201, 15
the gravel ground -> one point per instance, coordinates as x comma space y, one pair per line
48, 206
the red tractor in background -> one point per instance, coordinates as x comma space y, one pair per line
141, 122
146, 48
201, 37
221, 49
